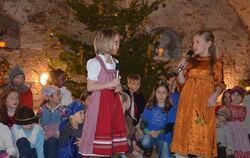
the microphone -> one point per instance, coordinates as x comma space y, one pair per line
188, 57
117, 67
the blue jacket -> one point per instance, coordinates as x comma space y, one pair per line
67, 139
172, 114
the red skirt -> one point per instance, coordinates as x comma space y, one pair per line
110, 135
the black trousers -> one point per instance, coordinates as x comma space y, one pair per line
24, 148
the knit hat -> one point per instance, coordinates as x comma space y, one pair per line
224, 111
74, 107
49, 90
14, 71
25, 116
240, 90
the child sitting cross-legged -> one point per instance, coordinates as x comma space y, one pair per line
27, 134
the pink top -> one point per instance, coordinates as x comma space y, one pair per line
238, 112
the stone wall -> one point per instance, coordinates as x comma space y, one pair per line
226, 18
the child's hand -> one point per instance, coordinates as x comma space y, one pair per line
57, 134
77, 141
136, 148
114, 83
154, 134
135, 153
118, 89
182, 64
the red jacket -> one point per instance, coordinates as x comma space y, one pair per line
26, 98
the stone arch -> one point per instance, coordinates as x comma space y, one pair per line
170, 41
9, 32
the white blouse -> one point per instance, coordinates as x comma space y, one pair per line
94, 67
6, 142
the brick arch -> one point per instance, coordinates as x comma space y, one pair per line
9, 32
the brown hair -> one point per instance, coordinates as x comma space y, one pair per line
104, 40
134, 77
209, 36
3, 107
223, 95
55, 73
85, 95
153, 101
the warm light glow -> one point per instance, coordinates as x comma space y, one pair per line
44, 78
248, 88
160, 52
2, 44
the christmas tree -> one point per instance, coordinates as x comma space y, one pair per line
137, 49
4, 70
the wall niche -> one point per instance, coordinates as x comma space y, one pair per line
9, 33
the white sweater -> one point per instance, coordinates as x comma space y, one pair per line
224, 136
6, 142
66, 96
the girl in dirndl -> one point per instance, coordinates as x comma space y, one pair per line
104, 131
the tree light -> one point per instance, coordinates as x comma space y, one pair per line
44, 78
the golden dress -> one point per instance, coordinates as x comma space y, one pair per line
194, 131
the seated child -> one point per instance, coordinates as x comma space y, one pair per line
134, 150
224, 134
51, 114
9, 104
17, 82
27, 134
236, 123
154, 120
58, 78
71, 130
6, 143
134, 84
85, 98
